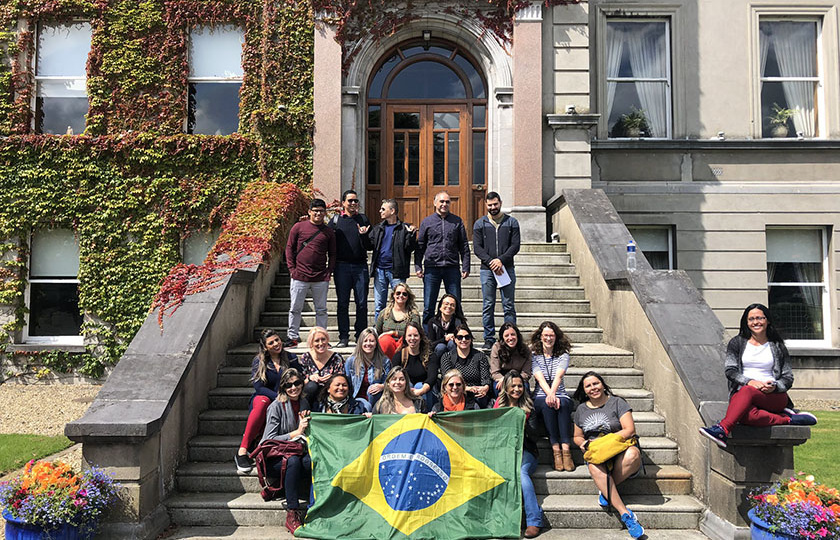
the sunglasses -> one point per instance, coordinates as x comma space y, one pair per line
463, 337
454, 385
352, 201
292, 384
400, 293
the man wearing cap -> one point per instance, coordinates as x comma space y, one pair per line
310, 256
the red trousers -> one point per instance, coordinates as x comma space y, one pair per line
256, 422
752, 407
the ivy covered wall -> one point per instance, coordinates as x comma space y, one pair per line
133, 186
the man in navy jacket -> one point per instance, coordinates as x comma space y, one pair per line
442, 240
496, 241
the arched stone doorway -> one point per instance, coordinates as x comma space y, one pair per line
426, 130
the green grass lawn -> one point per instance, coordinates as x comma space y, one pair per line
819, 456
16, 450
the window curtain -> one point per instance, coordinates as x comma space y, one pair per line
796, 51
647, 58
764, 49
615, 46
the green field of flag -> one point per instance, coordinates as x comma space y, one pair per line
452, 476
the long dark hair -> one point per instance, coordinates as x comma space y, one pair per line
521, 347
459, 312
561, 342
425, 346
264, 356
580, 394
325, 391
772, 334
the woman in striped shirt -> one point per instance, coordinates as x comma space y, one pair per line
550, 360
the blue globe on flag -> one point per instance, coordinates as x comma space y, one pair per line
414, 470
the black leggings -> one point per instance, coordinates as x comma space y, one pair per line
298, 477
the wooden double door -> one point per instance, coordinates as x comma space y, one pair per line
426, 149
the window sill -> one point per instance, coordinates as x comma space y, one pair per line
34, 347
813, 350
715, 144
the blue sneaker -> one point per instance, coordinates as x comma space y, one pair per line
603, 500
632, 524
803, 419
716, 434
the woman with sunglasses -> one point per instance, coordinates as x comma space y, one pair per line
367, 368
266, 370
337, 397
550, 361
398, 397
391, 323
510, 353
760, 375
287, 420
453, 398
319, 363
513, 393
442, 326
421, 367
473, 365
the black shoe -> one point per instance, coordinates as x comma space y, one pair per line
290, 342
716, 434
343, 343
243, 464
803, 419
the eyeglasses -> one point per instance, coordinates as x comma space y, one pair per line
292, 384
757, 319
400, 293
454, 385
463, 337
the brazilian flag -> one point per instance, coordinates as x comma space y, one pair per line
452, 476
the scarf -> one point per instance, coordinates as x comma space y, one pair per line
448, 405
336, 406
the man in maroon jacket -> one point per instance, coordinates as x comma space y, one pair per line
310, 255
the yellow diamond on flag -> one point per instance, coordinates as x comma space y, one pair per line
413, 472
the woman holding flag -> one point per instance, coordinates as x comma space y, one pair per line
398, 397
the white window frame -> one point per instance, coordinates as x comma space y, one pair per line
816, 14
46, 340
219, 80
45, 78
668, 79
670, 239
825, 342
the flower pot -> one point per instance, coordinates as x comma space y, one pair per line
17, 529
633, 132
779, 131
760, 530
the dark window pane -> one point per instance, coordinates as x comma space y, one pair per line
53, 115
796, 95
438, 168
406, 120
791, 48
412, 51
413, 159
453, 157
797, 311
479, 154
426, 80
373, 158
54, 309
375, 90
473, 75
399, 159
658, 259
213, 108
627, 105
479, 116
374, 113
799, 272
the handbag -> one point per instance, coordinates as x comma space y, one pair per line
607, 447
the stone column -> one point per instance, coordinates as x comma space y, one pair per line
572, 149
326, 155
527, 204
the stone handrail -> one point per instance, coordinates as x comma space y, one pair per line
679, 344
138, 426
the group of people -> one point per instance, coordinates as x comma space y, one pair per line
317, 251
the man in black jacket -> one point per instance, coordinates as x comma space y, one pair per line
496, 241
393, 242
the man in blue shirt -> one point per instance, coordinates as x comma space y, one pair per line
393, 241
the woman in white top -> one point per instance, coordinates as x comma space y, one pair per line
550, 360
758, 368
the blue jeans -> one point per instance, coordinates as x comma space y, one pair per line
383, 283
355, 277
488, 293
441, 348
558, 422
429, 397
433, 276
533, 512
297, 479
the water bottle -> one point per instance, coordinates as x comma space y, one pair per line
631, 255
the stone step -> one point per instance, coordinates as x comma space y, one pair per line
655, 451
653, 511
527, 320
530, 265
665, 479
281, 283
576, 334
469, 291
471, 306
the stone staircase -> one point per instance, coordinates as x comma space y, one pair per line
210, 493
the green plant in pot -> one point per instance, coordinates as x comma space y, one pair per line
634, 122
779, 121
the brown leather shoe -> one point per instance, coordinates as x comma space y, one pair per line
558, 460
568, 463
532, 532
